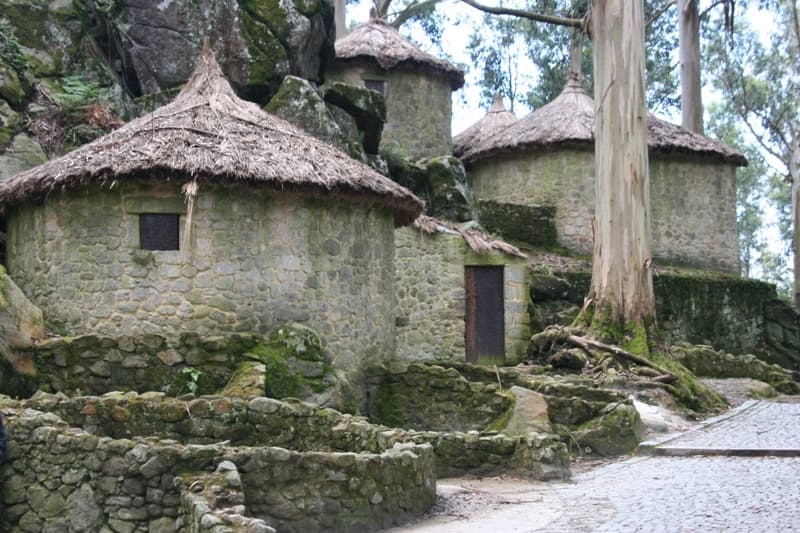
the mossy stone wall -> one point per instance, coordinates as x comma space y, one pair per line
255, 259
692, 201
724, 311
418, 108
430, 290
62, 478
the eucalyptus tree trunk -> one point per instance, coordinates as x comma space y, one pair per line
340, 18
689, 52
622, 283
575, 55
794, 171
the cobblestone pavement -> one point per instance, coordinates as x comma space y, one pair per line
759, 428
648, 494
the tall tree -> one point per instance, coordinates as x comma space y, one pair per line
621, 293
689, 52
622, 282
762, 83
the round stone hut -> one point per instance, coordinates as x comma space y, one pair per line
498, 118
417, 86
543, 165
210, 216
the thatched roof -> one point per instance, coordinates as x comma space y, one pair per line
569, 121
380, 44
478, 241
209, 134
496, 119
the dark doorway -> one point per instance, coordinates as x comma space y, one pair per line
485, 331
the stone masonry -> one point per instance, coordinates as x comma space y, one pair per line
418, 109
255, 259
431, 296
60, 477
692, 201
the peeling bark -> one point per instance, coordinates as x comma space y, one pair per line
622, 285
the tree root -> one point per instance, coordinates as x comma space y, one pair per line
586, 344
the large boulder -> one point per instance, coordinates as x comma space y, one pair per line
368, 109
21, 323
299, 102
440, 181
257, 42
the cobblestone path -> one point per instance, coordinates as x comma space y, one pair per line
698, 493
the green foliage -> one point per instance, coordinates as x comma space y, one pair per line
76, 93
10, 49
187, 380
760, 78
500, 44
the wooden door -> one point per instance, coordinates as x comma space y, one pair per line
485, 330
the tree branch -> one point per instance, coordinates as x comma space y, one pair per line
537, 17
411, 11
707, 10
660, 12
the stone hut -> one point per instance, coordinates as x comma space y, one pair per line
417, 86
498, 118
461, 294
210, 216
543, 166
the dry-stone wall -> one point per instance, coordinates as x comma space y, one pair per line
64, 478
94, 364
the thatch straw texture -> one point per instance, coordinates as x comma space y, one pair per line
478, 241
498, 118
569, 121
209, 134
380, 43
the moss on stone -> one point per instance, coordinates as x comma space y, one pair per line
616, 431
293, 361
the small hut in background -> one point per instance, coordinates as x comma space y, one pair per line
461, 294
211, 216
417, 86
545, 163
498, 118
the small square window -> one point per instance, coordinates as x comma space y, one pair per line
159, 231
375, 85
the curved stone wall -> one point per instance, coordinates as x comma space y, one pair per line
255, 259
692, 201
63, 478
418, 108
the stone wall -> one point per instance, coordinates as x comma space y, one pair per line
255, 259
418, 108
61, 478
727, 312
94, 364
442, 400
430, 296
693, 201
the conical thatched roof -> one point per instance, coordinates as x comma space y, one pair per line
209, 134
478, 241
569, 121
381, 44
496, 119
